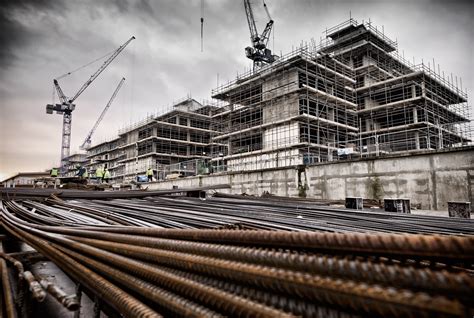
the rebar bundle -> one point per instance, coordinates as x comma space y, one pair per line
172, 256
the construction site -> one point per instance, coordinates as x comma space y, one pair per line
336, 180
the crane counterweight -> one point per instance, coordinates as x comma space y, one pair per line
258, 52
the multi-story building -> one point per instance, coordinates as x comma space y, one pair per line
401, 106
352, 95
106, 155
179, 135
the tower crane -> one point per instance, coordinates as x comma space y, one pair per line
67, 106
258, 52
87, 142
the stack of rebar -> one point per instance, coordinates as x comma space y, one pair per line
188, 257
195, 213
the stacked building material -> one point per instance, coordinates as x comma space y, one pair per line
171, 257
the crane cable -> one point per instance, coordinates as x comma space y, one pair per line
85, 65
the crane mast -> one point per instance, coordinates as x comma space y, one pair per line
87, 141
258, 52
67, 106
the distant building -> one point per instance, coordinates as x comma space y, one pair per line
24, 179
181, 134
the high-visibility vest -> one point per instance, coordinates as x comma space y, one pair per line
54, 172
107, 174
85, 174
149, 172
99, 173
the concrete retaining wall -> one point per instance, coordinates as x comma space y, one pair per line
427, 178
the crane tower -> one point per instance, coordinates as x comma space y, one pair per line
67, 106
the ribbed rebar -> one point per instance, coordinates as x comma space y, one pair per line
176, 304
69, 302
460, 285
117, 298
228, 303
439, 246
284, 302
8, 301
311, 287
183, 271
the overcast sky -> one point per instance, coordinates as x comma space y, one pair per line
43, 39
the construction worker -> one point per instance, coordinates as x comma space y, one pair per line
54, 172
80, 171
54, 175
106, 175
99, 174
149, 174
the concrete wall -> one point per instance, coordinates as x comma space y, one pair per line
281, 108
427, 178
280, 84
271, 160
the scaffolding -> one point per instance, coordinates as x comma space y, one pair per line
352, 95
181, 133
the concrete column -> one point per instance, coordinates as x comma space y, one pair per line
351, 62
367, 124
329, 155
330, 114
417, 140
440, 134
413, 91
415, 115
423, 89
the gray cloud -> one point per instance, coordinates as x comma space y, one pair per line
15, 34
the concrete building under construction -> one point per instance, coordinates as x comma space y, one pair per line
161, 141
350, 96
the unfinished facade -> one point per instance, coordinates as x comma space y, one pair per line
182, 134
352, 95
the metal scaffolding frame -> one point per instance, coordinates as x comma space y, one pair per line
349, 96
